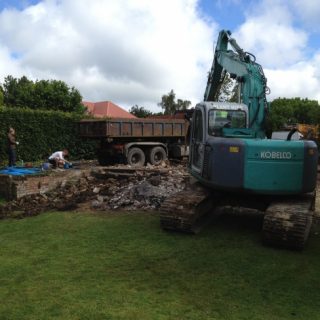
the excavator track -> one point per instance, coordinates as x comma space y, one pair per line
185, 210
287, 223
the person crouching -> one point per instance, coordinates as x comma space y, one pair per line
57, 159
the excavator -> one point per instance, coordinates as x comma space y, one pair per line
236, 166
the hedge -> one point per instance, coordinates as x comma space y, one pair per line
42, 132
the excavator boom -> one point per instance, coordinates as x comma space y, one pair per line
250, 76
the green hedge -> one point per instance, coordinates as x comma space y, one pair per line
42, 132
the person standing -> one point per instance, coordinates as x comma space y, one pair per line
12, 144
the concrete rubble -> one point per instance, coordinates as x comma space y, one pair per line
110, 188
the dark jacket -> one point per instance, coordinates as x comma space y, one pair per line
11, 141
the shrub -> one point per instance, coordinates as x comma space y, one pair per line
42, 132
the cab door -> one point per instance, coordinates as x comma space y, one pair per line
197, 141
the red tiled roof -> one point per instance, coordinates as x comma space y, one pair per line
106, 109
89, 105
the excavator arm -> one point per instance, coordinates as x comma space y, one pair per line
242, 67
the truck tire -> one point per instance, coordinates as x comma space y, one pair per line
136, 157
157, 155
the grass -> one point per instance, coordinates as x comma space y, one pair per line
123, 266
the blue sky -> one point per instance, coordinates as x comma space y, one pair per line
22, 4
231, 14
226, 13
134, 51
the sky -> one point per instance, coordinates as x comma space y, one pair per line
132, 52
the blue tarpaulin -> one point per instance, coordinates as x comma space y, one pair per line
20, 171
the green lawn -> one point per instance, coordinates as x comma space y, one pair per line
108, 266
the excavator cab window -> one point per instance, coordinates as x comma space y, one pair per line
198, 127
219, 119
197, 140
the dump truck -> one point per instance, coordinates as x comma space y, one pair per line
138, 141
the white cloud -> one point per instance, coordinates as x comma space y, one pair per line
271, 34
300, 80
309, 12
128, 51
8, 65
268, 33
134, 51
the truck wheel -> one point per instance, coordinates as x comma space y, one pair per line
157, 155
136, 157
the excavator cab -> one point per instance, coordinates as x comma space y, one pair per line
226, 155
216, 119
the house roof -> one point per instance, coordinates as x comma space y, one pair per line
105, 109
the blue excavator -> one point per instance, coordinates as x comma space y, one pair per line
237, 166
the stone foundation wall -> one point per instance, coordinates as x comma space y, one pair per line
6, 187
16, 187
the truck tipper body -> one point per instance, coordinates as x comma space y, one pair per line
138, 141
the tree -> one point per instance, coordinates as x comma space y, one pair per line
18, 92
234, 94
140, 112
291, 111
183, 104
228, 90
1, 96
41, 95
10, 88
169, 104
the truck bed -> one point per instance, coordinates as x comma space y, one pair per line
135, 128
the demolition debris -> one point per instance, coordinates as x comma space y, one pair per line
106, 188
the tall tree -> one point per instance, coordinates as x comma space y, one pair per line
42, 94
140, 112
170, 105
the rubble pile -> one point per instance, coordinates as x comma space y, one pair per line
139, 191
113, 188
